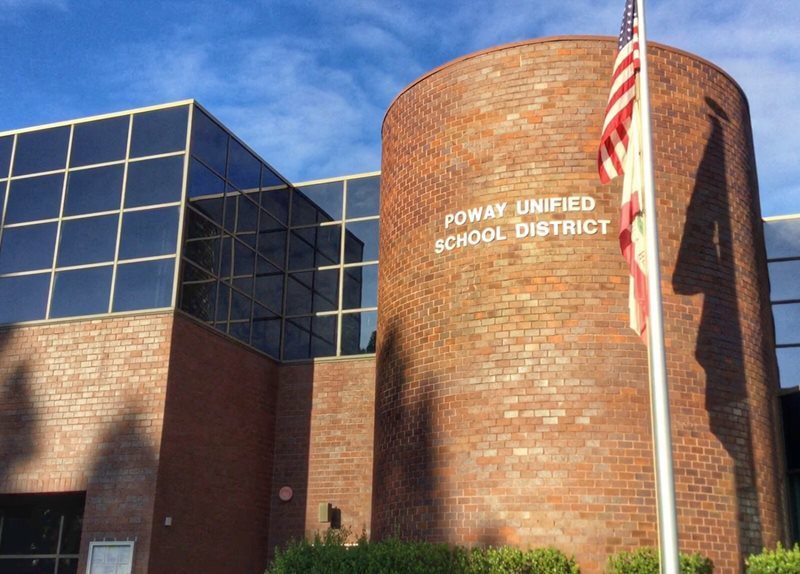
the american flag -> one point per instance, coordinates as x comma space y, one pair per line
619, 110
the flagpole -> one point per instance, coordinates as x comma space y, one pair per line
659, 395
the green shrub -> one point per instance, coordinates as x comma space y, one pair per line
645, 561
328, 554
779, 561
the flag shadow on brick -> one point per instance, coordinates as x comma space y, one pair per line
706, 266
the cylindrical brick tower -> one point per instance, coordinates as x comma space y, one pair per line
512, 398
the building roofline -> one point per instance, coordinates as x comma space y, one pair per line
547, 40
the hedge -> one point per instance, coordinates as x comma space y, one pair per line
779, 561
645, 561
330, 555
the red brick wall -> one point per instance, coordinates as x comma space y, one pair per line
215, 475
323, 446
512, 399
81, 408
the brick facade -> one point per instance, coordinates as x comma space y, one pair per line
512, 399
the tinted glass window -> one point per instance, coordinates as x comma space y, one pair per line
209, 142
244, 259
784, 280
789, 366
240, 306
328, 241
199, 299
358, 332
149, 233
361, 241
299, 293
266, 335
323, 336
327, 197
276, 202
81, 292
360, 287
247, 217
305, 212
44, 150
301, 248
91, 190
24, 298
145, 285
787, 323
159, 131
297, 339
272, 245
6, 145
34, 198
89, 240
202, 181
244, 170
269, 290
240, 330
154, 181
363, 197
100, 141
27, 248
782, 238
326, 290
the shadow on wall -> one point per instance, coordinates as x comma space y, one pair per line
706, 266
406, 498
121, 487
18, 416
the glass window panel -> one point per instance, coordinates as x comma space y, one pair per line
269, 290
244, 170
209, 142
192, 272
198, 226
787, 323
204, 252
267, 334
34, 198
270, 178
784, 280
198, 299
244, 284
27, 248
297, 339
304, 212
89, 240
247, 219
92, 190
328, 241
159, 131
363, 196
203, 181
327, 197
154, 181
73, 524
226, 258
145, 285
276, 202
782, 238
68, 566
360, 287
99, 141
229, 221
43, 150
323, 336
361, 241
359, 332
223, 302
24, 298
241, 331
211, 208
149, 233
301, 248
298, 293
240, 306
2, 199
28, 566
6, 146
789, 366
81, 292
326, 290
272, 245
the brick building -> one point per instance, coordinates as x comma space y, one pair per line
192, 359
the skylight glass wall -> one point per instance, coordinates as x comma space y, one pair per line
782, 236
95, 213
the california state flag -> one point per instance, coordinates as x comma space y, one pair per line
632, 227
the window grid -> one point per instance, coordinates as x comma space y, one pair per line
160, 297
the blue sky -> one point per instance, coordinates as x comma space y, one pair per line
306, 82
